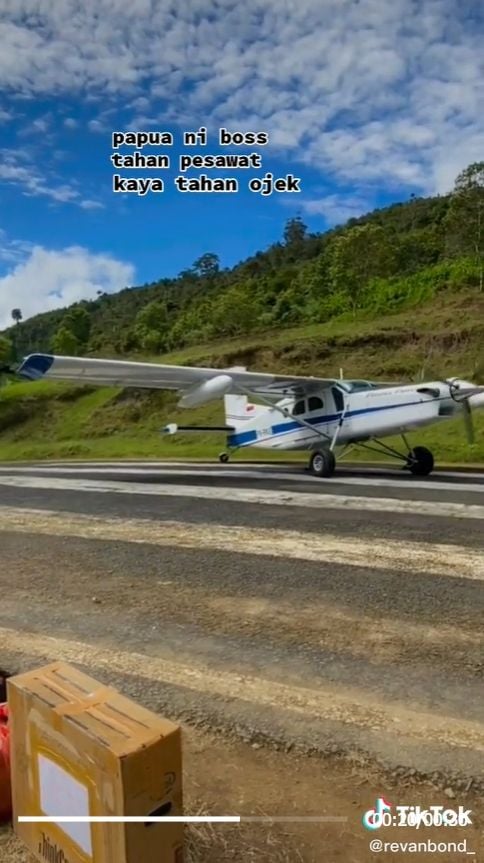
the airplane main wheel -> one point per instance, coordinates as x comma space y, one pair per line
322, 463
223, 457
420, 461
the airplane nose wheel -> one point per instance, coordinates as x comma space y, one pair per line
420, 461
223, 457
322, 463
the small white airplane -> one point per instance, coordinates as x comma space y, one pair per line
319, 415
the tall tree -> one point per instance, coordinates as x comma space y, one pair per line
207, 266
465, 218
295, 232
17, 317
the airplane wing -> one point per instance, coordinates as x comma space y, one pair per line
124, 373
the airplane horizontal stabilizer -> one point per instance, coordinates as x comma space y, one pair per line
173, 428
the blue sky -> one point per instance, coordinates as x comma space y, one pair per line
367, 102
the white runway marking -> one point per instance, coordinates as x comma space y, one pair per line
339, 479
384, 554
350, 706
276, 468
252, 496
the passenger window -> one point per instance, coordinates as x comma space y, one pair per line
299, 408
315, 404
338, 399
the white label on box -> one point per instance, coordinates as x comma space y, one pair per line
61, 794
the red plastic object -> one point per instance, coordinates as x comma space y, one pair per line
5, 786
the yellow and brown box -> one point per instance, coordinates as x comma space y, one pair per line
80, 748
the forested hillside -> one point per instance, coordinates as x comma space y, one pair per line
389, 259
395, 294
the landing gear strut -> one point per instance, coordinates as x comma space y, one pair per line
322, 463
420, 461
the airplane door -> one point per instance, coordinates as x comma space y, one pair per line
320, 413
339, 407
341, 403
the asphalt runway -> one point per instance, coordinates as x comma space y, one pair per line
342, 615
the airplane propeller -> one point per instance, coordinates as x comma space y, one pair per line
462, 395
468, 422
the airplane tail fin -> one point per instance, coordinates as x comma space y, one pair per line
237, 410
240, 412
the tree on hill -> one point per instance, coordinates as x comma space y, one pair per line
207, 266
151, 326
65, 343
187, 275
465, 218
193, 325
17, 317
236, 311
5, 351
358, 255
294, 237
78, 322
295, 232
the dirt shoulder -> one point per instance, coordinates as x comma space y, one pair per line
225, 777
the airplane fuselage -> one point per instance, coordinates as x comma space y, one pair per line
361, 411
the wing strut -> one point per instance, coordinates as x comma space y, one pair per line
338, 428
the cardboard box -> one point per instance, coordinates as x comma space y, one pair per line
80, 748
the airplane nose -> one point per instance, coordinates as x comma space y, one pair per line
462, 387
475, 397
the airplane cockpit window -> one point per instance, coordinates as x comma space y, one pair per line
315, 403
357, 386
299, 408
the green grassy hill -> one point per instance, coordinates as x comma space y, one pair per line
391, 296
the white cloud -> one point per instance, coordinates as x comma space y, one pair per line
13, 251
18, 168
48, 279
336, 209
102, 124
96, 126
41, 124
70, 123
387, 93
37, 128
88, 204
